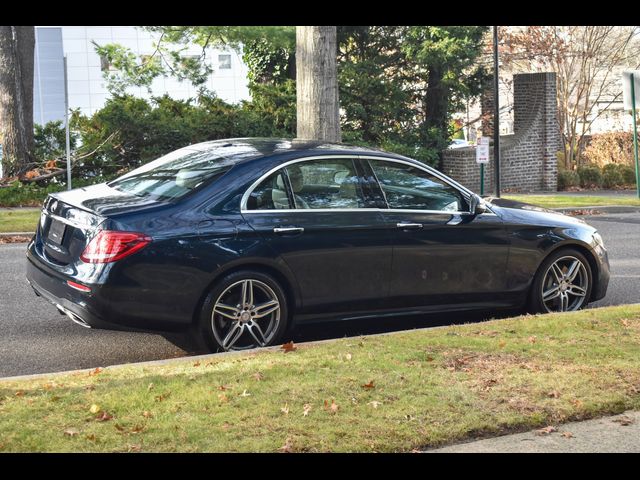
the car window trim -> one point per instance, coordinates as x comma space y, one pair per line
465, 192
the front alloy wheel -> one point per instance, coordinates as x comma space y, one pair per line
563, 283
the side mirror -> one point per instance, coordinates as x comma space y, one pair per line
477, 205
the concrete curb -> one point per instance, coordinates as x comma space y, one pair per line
602, 209
17, 234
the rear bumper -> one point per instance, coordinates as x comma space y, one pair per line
91, 308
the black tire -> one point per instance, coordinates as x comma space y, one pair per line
536, 303
203, 331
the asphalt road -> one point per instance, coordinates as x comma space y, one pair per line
34, 338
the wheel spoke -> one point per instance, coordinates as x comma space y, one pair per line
247, 293
564, 302
266, 308
573, 271
557, 272
577, 291
232, 337
227, 311
552, 293
256, 333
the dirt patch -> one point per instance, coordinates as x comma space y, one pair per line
14, 239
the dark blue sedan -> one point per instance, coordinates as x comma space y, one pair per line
239, 240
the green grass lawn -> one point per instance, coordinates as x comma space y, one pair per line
19, 220
559, 201
389, 393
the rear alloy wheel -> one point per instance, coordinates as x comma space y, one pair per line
563, 283
246, 310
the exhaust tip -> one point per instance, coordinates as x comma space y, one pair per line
74, 318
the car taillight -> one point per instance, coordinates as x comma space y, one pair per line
109, 246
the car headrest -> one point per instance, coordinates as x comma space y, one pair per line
188, 178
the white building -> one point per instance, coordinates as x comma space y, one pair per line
86, 84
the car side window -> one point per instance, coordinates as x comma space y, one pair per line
270, 194
325, 183
411, 188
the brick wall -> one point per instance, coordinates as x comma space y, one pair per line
528, 159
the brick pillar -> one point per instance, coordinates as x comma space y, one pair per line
487, 110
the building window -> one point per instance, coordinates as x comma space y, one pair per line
224, 62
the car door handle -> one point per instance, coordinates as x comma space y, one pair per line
409, 226
288, 230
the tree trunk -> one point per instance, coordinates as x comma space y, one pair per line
318, 113
437, 106
16, 97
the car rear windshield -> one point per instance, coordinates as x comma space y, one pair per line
174, 175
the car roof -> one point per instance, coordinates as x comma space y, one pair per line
240, 150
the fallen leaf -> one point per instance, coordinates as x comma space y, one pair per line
222, 387
532, 339
374, 403
567, 434
577, 403
285, 409
134, 448
553, 394
258, 376
137, 429
91, 437
368, 386
71, 432
546, 430
428, 358
119, 427
20, 393
104, 417
289, 347
624, 420
162, 397
147, 414
625, 322
223, 398
287, 447
150, 387
333, 408
197, 364
502, 343
94, 408
95, 371
306, 409
245, 394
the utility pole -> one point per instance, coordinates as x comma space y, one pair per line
496, 114
66, 124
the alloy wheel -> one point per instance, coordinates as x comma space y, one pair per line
565, 285
245, 315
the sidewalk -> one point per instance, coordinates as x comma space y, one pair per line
616, 434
